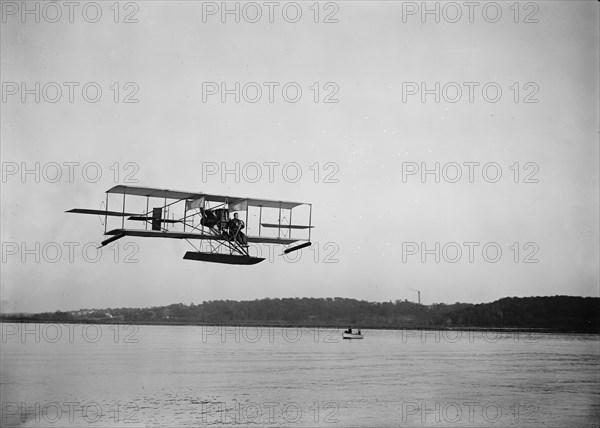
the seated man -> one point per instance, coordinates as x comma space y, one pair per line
235, 227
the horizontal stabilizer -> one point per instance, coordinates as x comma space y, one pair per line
297, 247
100, 212
160, 234
286, 226
111, 239
229, 259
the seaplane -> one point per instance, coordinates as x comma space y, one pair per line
212, 222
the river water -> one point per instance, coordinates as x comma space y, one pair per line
117, 375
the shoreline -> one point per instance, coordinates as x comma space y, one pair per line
547, 330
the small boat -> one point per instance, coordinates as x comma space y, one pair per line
352, 336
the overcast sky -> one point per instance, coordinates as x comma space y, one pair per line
374, 212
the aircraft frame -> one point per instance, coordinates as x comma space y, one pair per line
213, 230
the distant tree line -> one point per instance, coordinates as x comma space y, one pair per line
556, 313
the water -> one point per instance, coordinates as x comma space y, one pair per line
101, 375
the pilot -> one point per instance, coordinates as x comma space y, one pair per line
235, 227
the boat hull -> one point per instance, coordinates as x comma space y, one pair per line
351, 336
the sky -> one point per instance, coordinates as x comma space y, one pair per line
449, 150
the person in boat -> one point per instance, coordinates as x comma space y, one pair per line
235, 227
358, 332
349, 330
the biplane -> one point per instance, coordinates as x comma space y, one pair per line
210, 221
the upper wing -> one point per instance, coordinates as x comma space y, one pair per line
244, 203
152, 192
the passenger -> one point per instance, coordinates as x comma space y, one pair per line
349, 330
359, 332
235, 226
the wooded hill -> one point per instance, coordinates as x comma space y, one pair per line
555, 313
